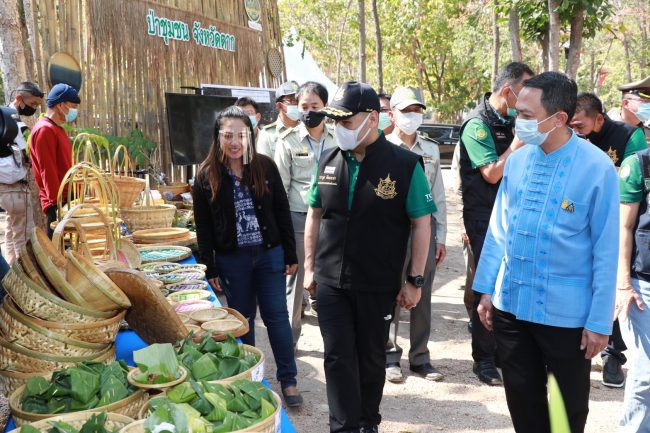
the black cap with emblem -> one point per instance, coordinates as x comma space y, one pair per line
352, 98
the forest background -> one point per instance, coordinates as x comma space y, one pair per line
450, 49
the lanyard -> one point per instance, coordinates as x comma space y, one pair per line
311, 147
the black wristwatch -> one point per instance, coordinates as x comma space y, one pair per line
416, 280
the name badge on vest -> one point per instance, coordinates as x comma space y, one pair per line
328, 178
386, 188
500, 135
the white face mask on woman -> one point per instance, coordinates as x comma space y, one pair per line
348, 139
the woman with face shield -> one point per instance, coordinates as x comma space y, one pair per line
245, 236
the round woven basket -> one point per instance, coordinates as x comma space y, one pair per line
36, 301
129, 406
12, 380
148, 217
102, 331
30, 266
18, 358
156, 386
128, 189
268, 425
17, 328
114, 421
175, 189
96, 288
256, 372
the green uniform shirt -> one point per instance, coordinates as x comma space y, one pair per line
630, 180
635, 143
419, 201
479, 143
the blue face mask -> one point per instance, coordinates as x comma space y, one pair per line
643, 113
512, 111
71, 115
528, 131
253, 121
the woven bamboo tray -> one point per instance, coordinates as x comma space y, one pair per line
176, 189
35, 301
129, 406
102, 331
202, 316
18, 328
156, 386
30, 266
159, 235
98, 290
18, 358
12, 380
151, 316
232, 314
148, 217
164, 253
114, 421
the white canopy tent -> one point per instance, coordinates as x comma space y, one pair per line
301, 66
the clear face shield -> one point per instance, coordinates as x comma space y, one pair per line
235, 144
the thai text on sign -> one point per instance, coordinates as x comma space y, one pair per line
167, 30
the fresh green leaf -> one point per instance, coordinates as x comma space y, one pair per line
157, 363
84, 385
28, 428
181, 393
61, 427
36, 385
205, 367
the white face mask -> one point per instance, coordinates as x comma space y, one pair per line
408, 122
348, 139
528, 131
253, 120
293, 113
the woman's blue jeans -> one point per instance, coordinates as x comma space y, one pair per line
252, 276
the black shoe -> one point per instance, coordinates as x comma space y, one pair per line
487, 373
292, 400
613, 375
427, 371
369, 429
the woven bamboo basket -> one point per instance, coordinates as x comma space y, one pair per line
175, 189
12, 380
128, 186
148, 217
35, 301
103, 331
156, 386
129, 406
52, 263
98, 290
114, 421
30, 266
18, 328
18, 358
268, 425
255, 373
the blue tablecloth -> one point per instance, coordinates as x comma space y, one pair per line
128, 341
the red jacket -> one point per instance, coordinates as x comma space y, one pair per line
51, 154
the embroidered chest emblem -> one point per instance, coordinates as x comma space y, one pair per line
386, 188
568, 206
612, 154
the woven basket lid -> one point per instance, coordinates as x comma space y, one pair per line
151, 316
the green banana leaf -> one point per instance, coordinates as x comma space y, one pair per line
112, 390
157, 363
556, 409
181, 393
205, 368
28, 428
61, 427
219, 407
84, 385
95, 424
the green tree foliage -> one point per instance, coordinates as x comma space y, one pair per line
445, 48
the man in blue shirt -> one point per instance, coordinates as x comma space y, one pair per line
546, 269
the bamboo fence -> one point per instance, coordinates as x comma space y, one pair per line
126, 71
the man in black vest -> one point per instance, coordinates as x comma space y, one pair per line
618, 139
367, 197
486, 141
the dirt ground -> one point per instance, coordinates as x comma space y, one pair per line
460, 403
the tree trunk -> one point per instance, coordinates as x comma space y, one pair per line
496, 41
362, 41
339, 55
575, 42
12, 60
515, 38
544, 43
554, 35
628, 63
380, 60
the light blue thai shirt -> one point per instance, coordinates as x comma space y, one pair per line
551, 250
